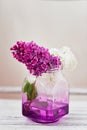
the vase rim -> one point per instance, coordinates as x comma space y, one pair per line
53, 70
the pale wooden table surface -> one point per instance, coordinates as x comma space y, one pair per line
12, 119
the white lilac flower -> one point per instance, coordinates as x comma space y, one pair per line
66, 56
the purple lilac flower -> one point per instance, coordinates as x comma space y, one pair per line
55, 62
37, 59
18, 51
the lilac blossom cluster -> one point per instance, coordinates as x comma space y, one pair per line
37, 59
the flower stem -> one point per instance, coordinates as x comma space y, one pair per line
33, 91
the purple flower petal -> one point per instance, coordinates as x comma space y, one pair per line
37, 59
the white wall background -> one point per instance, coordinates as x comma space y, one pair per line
49, 23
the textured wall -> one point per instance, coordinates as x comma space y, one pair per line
49, 23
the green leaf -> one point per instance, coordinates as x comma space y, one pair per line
28, 88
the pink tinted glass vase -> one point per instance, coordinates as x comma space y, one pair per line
46, 98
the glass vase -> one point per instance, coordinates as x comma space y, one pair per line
45, 99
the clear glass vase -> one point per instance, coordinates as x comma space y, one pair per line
46, 99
